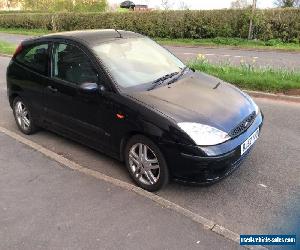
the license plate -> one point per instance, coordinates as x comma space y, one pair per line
249, 142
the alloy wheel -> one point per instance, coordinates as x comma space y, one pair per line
144, 164
22, 116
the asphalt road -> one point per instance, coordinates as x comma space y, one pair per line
262, 196
257, 58
46, 206
13, 38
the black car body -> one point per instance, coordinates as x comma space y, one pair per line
104, 115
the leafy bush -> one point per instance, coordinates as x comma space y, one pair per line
26, 21
283, 24
273, 42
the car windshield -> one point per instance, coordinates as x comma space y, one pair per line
137, 61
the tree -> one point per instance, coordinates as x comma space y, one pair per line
183, 6
166, 4
90, 5
113, 6
239, 4
65, 5
40, 5
8, 4
251, 19
287, 3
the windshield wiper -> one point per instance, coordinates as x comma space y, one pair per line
160, 80
180, 74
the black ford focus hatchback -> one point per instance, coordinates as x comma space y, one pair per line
122, 94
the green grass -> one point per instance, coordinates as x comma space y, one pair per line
7, 48
233, 42
250, 78
30, 32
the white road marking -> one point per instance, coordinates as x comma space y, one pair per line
262, 185
226, 55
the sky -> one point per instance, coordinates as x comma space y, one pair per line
198, 4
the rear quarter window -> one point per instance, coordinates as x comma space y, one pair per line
35, 57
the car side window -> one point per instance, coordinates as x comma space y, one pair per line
71, 64
35, 57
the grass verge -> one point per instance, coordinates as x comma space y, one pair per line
233, 42
7, 48
248, 77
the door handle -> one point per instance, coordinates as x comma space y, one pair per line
52, 89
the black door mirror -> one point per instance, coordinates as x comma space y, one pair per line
89, 87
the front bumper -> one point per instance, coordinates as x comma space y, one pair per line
212, 169
207, 165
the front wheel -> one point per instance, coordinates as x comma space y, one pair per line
23, 117
146, 164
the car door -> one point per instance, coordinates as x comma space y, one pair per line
78, 114
29, 74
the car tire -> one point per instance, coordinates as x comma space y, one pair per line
23, 116
146, 163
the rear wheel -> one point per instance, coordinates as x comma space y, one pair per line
146, 163
23, 117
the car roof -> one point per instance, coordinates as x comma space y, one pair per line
93, 37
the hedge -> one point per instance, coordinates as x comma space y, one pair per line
269, 24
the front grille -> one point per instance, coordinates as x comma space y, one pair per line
243, 126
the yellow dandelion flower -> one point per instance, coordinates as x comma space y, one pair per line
201, 56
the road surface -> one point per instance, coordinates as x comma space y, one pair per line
257, 58
262, 196
46, 206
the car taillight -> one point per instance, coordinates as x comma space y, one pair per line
18, 50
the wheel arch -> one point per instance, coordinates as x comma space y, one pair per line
129, 135
11, 99
124, 141
148, 129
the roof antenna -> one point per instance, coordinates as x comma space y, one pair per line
119, 33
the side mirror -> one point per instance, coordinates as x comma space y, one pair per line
89, 87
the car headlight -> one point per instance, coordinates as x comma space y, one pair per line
203, 135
